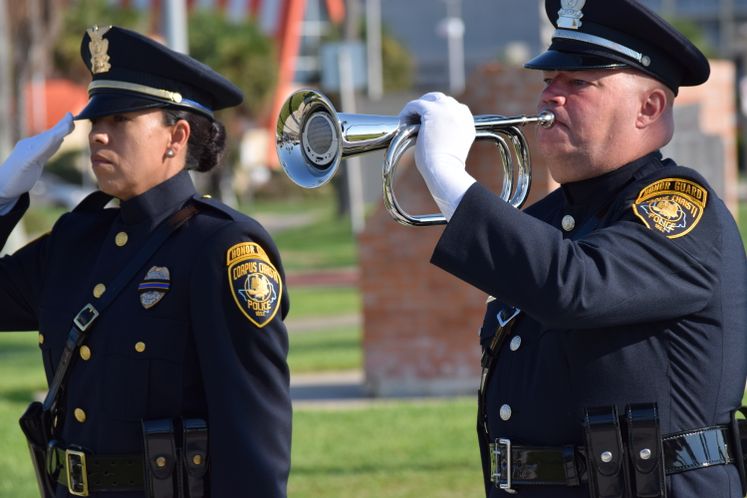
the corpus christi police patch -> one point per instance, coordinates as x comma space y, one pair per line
672, 206
255, 283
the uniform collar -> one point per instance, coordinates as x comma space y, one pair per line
158, 202
598, 190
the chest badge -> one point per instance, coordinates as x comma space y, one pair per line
255, 284
154, 286
672, 206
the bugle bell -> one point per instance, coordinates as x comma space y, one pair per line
312, 138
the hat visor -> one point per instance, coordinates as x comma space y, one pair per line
105, 104
555, 60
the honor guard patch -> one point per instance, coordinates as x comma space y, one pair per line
154, 286
255, 284
673, 206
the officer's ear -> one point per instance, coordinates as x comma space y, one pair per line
180, 135
656, 102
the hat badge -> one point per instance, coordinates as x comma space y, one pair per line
99, 47
569, 15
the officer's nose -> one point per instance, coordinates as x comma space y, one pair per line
97, 135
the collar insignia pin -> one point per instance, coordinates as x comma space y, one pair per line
569, 16
99, 47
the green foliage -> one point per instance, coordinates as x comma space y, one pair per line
237, 50
397, 69
397, 66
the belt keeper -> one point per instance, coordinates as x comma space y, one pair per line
646, 451
195, 441
160, 457
569, 466
607, 462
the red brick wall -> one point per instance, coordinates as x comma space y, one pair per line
420, 323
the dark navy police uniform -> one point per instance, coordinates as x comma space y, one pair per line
193, 353
630, 289
623, 314
195, 337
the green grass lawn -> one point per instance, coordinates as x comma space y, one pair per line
326, 350
397, 450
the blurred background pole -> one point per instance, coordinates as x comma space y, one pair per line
452, 28
373, 49
175, 25
347, 102
6, 84
38, 102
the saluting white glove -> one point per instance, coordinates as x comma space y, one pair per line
447, 130
23, 167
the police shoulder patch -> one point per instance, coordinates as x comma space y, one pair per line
673, 206
255, 284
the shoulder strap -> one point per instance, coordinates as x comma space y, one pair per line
87, 316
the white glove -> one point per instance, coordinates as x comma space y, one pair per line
24, 165
447, 130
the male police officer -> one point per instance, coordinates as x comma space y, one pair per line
616, 344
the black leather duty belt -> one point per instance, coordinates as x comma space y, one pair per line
517, 465
83, 473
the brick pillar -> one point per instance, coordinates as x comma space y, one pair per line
420, 323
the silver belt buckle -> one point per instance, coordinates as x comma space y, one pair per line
500, 475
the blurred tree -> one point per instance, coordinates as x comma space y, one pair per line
30, 29
240, 52
398, 68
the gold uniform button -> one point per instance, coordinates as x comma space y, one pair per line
41, 338
99, 290
207, 196
140, 347
197, 459
120, 239
85, 353
80, 415
160, 462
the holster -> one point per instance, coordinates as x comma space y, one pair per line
160, 459
646, 451
36, 425
194, 453
608, 463
176, 458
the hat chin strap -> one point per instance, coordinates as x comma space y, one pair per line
566, 34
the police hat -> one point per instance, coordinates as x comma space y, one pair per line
131, 72
596, 34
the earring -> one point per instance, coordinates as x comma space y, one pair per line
170, 153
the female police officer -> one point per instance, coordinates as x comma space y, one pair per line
184, 368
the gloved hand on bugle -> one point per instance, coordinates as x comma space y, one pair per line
447, 130
23, 167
